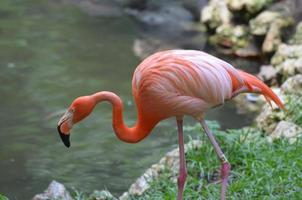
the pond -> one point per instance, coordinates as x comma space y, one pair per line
51, 53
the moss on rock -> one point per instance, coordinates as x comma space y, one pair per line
231, 36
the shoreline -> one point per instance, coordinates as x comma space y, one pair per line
286, 62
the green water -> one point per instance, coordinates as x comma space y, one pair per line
51, 53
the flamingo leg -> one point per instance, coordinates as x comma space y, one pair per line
225, 165
182, 161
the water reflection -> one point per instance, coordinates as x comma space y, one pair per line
51, 54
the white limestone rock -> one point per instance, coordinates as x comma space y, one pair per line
293, 85
287, 130
215, 14
55, 190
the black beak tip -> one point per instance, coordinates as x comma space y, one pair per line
65, 138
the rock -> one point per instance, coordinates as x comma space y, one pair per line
292, 85
101, 195
216, 14
267, 72
273, 37
270, 24
235, 40
260, 25
170, 162
287, 130
265, 121
55, 190
142, 183
288, 60
290, 67
285, 52
268, 118
249, 51
296, 8
297, 37
278, 12
231, 36
251, 6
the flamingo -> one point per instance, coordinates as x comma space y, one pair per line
168, 84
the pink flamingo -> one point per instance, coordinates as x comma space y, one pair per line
172, 84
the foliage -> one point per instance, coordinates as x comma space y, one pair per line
96, 195
2, 197
260, 170
294, 108
78, 195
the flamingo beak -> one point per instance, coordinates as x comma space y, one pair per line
65, 125
65, 138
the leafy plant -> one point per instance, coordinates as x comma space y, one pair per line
294, 106
2, 197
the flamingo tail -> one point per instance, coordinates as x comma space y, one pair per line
253, 84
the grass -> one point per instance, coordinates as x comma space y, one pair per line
260, 170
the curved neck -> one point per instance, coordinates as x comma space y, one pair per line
128, 134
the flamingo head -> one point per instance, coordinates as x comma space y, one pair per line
80, 108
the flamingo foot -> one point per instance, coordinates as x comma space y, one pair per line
181, 184
225, 172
